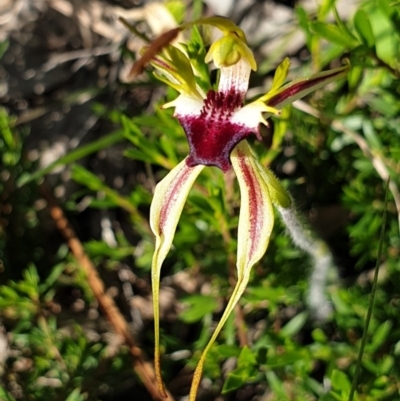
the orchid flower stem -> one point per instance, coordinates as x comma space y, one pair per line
321, 257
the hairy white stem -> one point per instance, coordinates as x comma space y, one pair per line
324, 269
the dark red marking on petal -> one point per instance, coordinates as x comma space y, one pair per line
171, 196
212, 135
256, 203
221, 104
160, 62
296, 88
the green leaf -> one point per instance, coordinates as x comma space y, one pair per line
6, 133
364, 28
238, 378
100, 248
247, 358
287, 358
324, 8
177, 9
380, 336
386, 365
3, 47
276, 385
197, 54
244, 373
5, 395
226, 351
341, 25
294, 325
386, 42
200, 305
31, 277
85, 177
7, 294
319, 336
340, 382
76, 396
397, 349
302, 18
334, 34
355, 76
52, 278
372, 136
384, 103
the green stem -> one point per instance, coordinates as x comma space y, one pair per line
133, 30
371, 300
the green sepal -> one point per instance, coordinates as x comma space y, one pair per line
176, 69
281, 74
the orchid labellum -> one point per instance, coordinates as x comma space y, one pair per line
217, 123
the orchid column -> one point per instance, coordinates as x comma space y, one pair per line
217, 124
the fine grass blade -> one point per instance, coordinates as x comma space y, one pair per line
371, 299
73, 156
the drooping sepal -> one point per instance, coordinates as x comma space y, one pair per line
255, 226
168, 201
256, 218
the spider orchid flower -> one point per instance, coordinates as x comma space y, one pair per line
217, 123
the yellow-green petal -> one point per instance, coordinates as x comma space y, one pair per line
255, 226
168, 201
280, 76
176, 70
